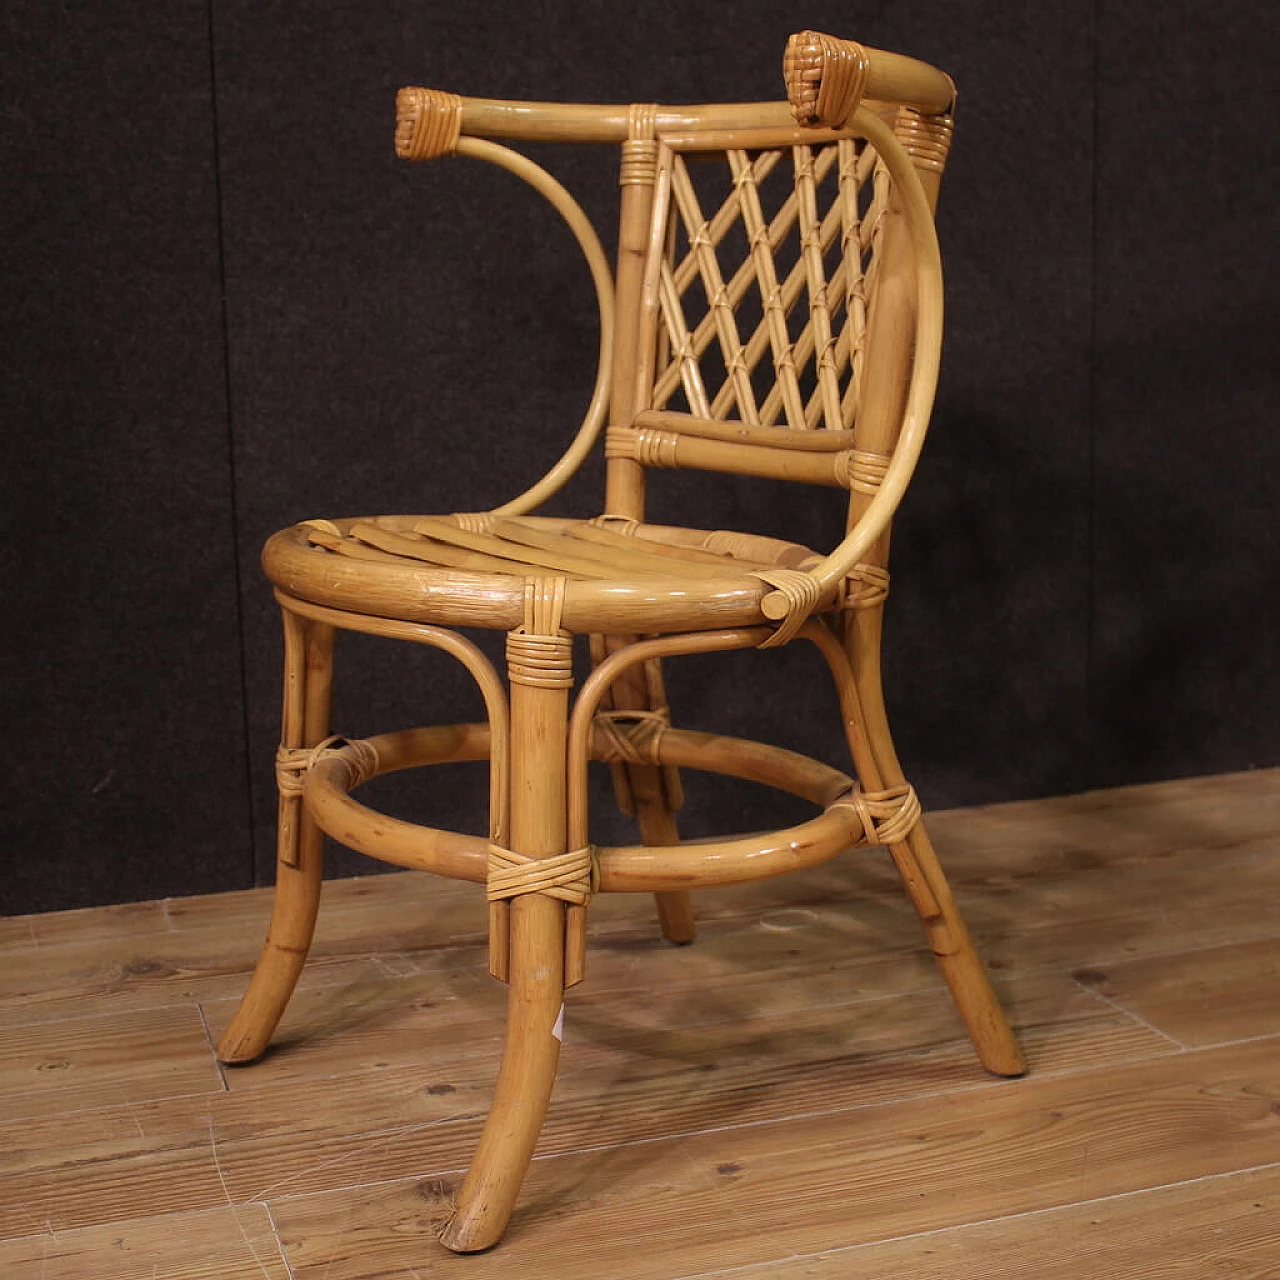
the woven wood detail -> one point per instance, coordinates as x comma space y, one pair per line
428, 123
764, 312
825, 77
887, 817
569, 877
294, 763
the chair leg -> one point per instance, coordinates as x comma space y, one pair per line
957, 958
308, 678
651, 793
658, 826
536, 940
876, 760
532, 1052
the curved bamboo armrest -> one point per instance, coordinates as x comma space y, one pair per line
428, 124
827, 78
924, 375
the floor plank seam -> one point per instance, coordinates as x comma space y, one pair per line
231, 1204
275, 1231
62, 1019
213, 1048
975, 1223
1130, 1013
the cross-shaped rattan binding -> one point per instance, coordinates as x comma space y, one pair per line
803, 270
783, 279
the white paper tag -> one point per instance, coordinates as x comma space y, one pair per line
558, 1029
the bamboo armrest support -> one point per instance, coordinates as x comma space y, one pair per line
428, 124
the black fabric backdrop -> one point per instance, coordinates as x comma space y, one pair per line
229, 307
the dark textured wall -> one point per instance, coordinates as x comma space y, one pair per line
229, 307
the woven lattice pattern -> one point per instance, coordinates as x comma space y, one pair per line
763, 297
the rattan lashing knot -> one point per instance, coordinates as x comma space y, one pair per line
888, 816
428, 123
474, 521
540, 653
542, 661
569, 877
825, 78
631, 737
866, 586
791, 604
294, 763
625, 525
865, 471
927, 139
645, 445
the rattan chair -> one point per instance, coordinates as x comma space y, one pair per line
829, 380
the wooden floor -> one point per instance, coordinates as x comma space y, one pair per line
790, 1097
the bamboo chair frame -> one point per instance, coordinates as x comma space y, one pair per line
868, 279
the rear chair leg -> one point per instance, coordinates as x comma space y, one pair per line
308, 681
647, 792
657, 825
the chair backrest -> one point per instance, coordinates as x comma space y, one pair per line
778, 300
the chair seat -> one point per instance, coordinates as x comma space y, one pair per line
471, 570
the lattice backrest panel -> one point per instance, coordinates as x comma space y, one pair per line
763, 292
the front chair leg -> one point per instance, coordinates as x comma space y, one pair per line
535, 1007
308, 681
540, 671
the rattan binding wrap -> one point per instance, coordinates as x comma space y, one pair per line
825, 77
428, 123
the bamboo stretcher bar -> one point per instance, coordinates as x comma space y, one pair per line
686, 424
660, 449
624, 868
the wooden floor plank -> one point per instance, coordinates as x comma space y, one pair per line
53, 1068
1221, 1226
223, 1244
17, 931
1200, 997
408, 1091
791, 1092
746, 1195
